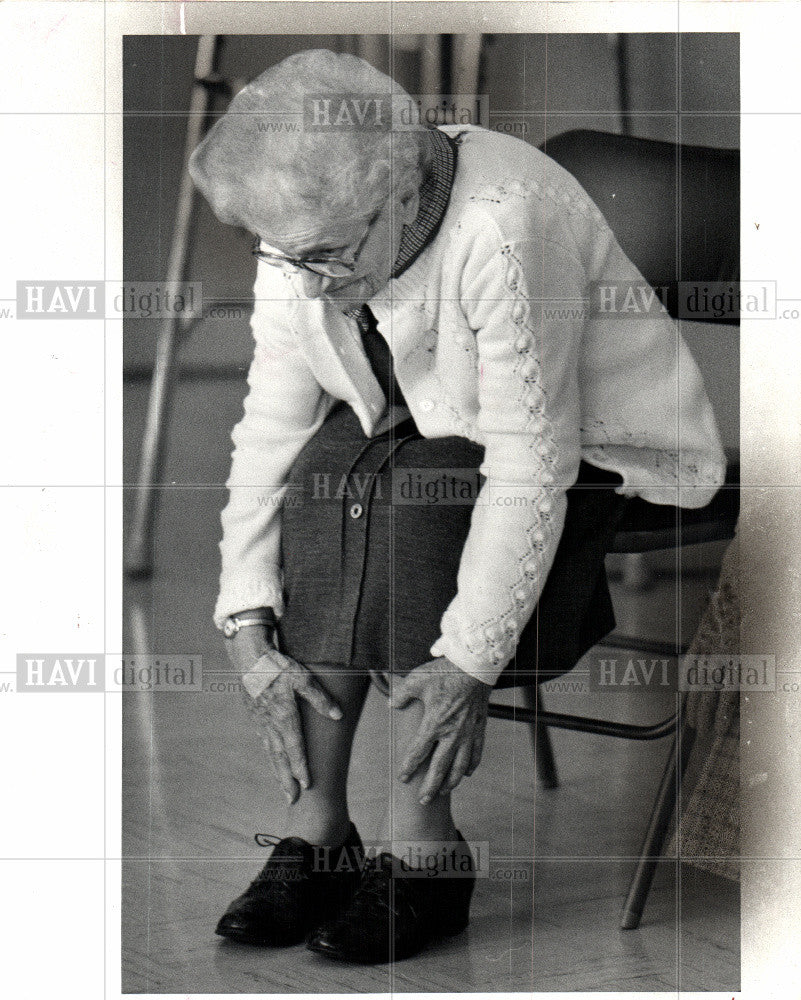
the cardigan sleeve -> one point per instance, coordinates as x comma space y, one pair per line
525, 305
284, 407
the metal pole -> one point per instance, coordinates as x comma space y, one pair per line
658, 826
139, 559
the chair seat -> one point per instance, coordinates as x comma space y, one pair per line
648, 527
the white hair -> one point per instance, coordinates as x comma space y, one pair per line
262, 160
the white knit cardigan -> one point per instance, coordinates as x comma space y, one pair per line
492, 338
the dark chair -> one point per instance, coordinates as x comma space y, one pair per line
674, 212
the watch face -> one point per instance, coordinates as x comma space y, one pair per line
229, 628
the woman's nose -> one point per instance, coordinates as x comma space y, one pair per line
314, 285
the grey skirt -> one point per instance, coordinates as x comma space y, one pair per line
368, 574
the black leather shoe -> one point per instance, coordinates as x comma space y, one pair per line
395, 914
299, 887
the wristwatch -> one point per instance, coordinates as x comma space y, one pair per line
233, 623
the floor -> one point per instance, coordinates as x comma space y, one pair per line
198, 788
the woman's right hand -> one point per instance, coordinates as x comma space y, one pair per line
275, 708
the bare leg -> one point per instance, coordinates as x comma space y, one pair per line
406, 819
320, 815
393, 915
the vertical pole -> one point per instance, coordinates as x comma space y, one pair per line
139, 557
658, 826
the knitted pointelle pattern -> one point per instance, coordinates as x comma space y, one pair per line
500, 633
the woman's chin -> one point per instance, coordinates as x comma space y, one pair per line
354, 292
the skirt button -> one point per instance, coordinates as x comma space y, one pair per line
356, 510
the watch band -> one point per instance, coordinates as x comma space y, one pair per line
233, 623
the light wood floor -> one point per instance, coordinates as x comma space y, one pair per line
198, 787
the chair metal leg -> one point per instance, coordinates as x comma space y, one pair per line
658, 826
541, 738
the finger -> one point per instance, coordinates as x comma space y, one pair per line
280, 763
287, 723
478, 749
319, 699
438, 769
459, 767
417, 753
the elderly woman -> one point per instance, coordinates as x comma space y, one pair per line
435, 448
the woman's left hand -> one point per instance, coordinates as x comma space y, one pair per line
452, 727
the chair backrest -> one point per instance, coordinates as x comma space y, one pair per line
674, 209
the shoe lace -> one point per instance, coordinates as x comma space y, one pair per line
384, 884
286, 864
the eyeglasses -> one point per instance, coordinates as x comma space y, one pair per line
329, 267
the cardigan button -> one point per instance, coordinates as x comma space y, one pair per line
430, 338
521, 344
530, 567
